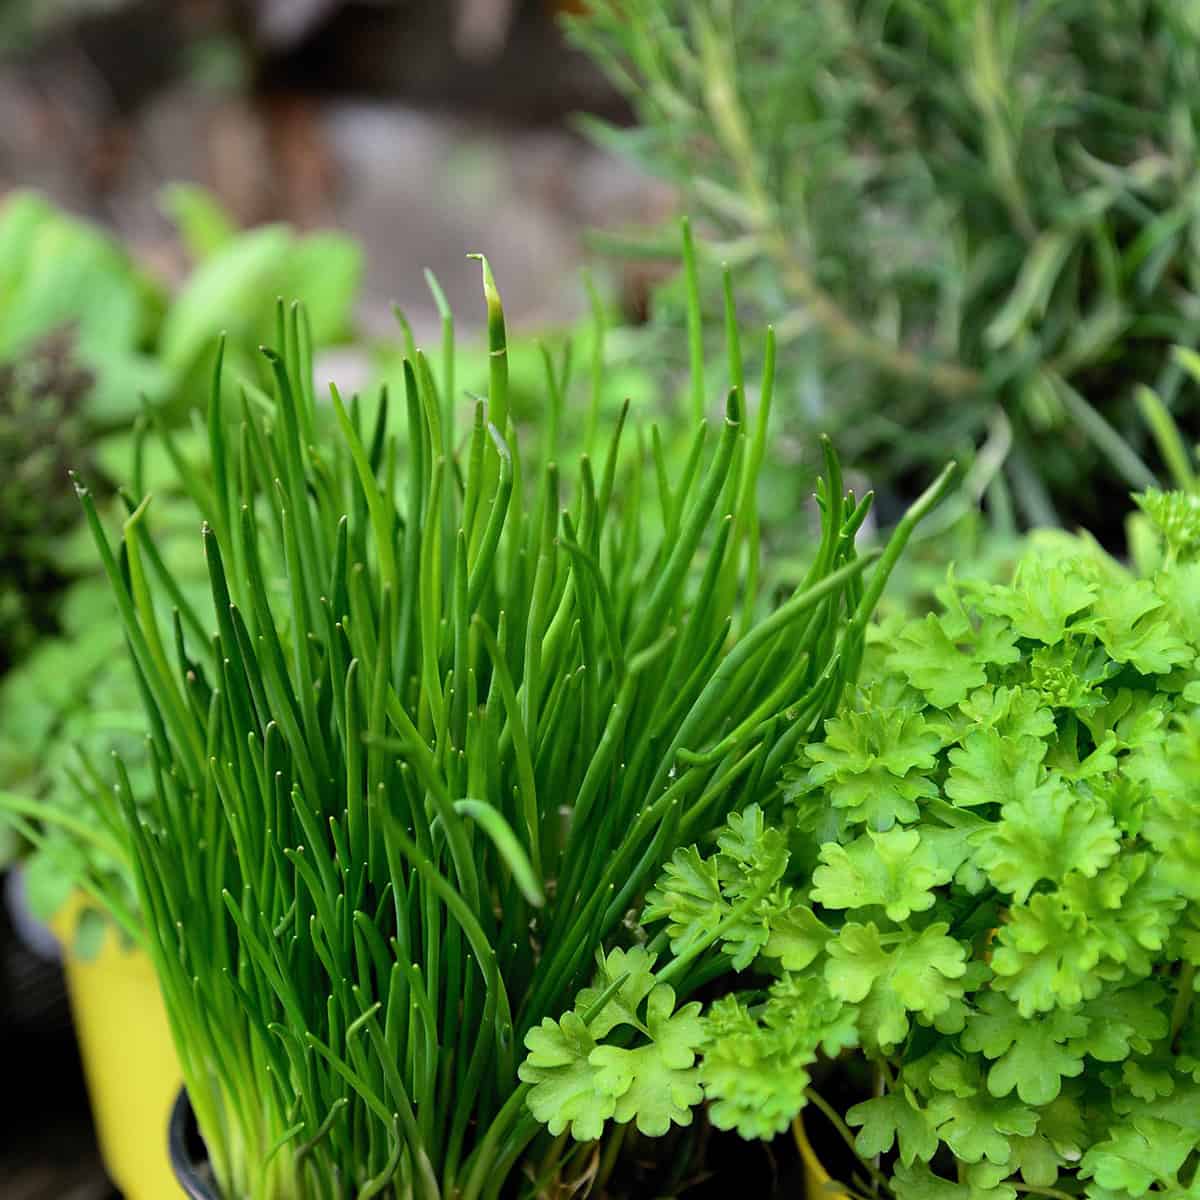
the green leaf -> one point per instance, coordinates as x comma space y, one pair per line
1122, 1022
979, 1183
1139, 1154
1071, 673
75, 276
1043, 599
696, 894
804, 1006
1150, 1078
951, 841
992, 768
637, 967
919, 976
752, 855
979, 1127
1037, 1160
1017, 712
655, 1085
894, 1118
1176, 517
688, 896
893, 870
1130, 623
754, 1075
872, 762
1044, 833
797, 937
564, 1093
1034, 1057
1042, 958
581, 1083
894, 738
1131, 908
1172, 813
935, 665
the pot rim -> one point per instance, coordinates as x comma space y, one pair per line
191, 1175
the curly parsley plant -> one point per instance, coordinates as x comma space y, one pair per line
985, 878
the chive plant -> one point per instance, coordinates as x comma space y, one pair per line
453, 716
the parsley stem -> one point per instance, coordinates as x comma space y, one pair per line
1033, 1190
836, 1121
1183, 1000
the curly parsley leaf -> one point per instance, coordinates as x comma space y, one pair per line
687, 895
894, 1118
656, 1085
1138, 1154
797, 937
635, 968
892, 870
1032, 1057
1176, 517
920, 975
980, 1181
872, 760
978, 1127
1124, 1022
935, 664
992, 768
1044, 598
580, 1083
1129, 623
564, 1093
695, 895
1042, 834
1043, 958
754, 1075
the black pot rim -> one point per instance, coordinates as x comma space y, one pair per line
181, 1137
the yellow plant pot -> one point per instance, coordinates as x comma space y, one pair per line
129, 1060
817, 1181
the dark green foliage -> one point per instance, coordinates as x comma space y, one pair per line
979, 216
43, 432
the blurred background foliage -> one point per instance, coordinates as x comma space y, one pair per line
974, 223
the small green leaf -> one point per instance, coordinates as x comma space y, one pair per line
991, 768
656, 1085
754, 1076
894, 1118
636, 966
1034, 1057
892, 870
1139, 1154
797, 937
919, 976
564, 1093
1044, 833
1043, 601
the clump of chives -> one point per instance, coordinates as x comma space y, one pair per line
447, 728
